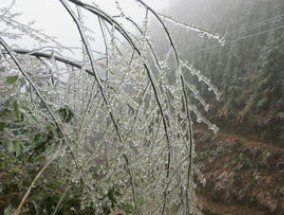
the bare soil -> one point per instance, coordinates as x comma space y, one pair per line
245, 176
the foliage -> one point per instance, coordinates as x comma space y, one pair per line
114, 133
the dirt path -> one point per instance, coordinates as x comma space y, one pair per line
215, 208
250, 141
211, 207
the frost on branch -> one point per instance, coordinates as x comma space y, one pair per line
123, 118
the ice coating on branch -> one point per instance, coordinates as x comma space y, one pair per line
202, 78
200, 118
132, 108
119, 8
197, 95
202, 32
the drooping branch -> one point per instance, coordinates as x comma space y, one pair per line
10, 52
131, 182
40, 54
92, 60
165, 29
141, 115
124, 33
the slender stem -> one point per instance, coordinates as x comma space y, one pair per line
131, 182
190, 147
92, 60
40, 54
25, 197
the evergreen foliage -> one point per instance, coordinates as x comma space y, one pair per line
248, 68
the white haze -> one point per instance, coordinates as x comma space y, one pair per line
53, 19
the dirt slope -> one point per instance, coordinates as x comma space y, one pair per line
245, 176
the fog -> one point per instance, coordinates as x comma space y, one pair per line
178, 113
51, 17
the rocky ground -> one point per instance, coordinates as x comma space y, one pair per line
244, 176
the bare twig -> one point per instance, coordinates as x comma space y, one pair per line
92, 60
131, 182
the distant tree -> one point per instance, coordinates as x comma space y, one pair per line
247, 68
267, 86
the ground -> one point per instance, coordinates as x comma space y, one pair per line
245, 176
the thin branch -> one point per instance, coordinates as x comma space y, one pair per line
27, 77
190, 147
92, 60
124, 33
40, 54
146, 39
106, 48
165, 29
131, 182
38, 175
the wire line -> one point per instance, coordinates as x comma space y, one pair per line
236, 40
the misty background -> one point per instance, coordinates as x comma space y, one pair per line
228, 72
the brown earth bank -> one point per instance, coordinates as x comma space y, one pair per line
244, 176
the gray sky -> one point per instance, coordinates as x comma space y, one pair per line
52, 18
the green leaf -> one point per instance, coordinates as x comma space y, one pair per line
16, 110
2, 126
66, 114
5, 112
18, 149
8, 210
128, 208
112, 197
11, 147
12, 79
37, 138
15, 147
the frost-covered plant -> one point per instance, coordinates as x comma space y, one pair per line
123, 117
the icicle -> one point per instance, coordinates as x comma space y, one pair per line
202, 78
200, 118
202, 32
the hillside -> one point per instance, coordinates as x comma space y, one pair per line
113, 125
248, 69
244, 163
244, 175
